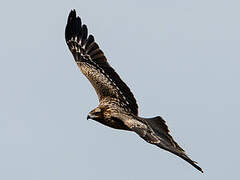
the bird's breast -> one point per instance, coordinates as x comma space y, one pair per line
114, 123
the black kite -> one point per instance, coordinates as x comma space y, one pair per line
117, 108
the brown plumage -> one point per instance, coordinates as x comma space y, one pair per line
117, 108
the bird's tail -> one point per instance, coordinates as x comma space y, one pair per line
160, 128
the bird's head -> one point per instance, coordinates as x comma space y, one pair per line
95, 114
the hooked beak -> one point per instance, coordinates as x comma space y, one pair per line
91, 117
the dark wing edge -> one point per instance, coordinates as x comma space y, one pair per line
160, 128
84, 48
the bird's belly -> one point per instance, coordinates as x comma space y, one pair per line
114, 123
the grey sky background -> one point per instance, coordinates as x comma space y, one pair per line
180, 58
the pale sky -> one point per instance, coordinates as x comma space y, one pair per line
181, 60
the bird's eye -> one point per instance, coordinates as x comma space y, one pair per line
97, 112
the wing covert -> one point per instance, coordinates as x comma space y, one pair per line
93, 63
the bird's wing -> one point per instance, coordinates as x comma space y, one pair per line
92, 62
155, 131
160, 129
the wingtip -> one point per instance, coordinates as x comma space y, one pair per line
193, 163
198, 168
73, 25
72, 12
72, 15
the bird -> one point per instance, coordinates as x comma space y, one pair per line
117, 107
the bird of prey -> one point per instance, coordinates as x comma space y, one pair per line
117, 106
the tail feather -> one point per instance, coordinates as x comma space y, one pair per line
160, 128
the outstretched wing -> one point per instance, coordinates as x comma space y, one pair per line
160, 129
92, 62
155, 131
